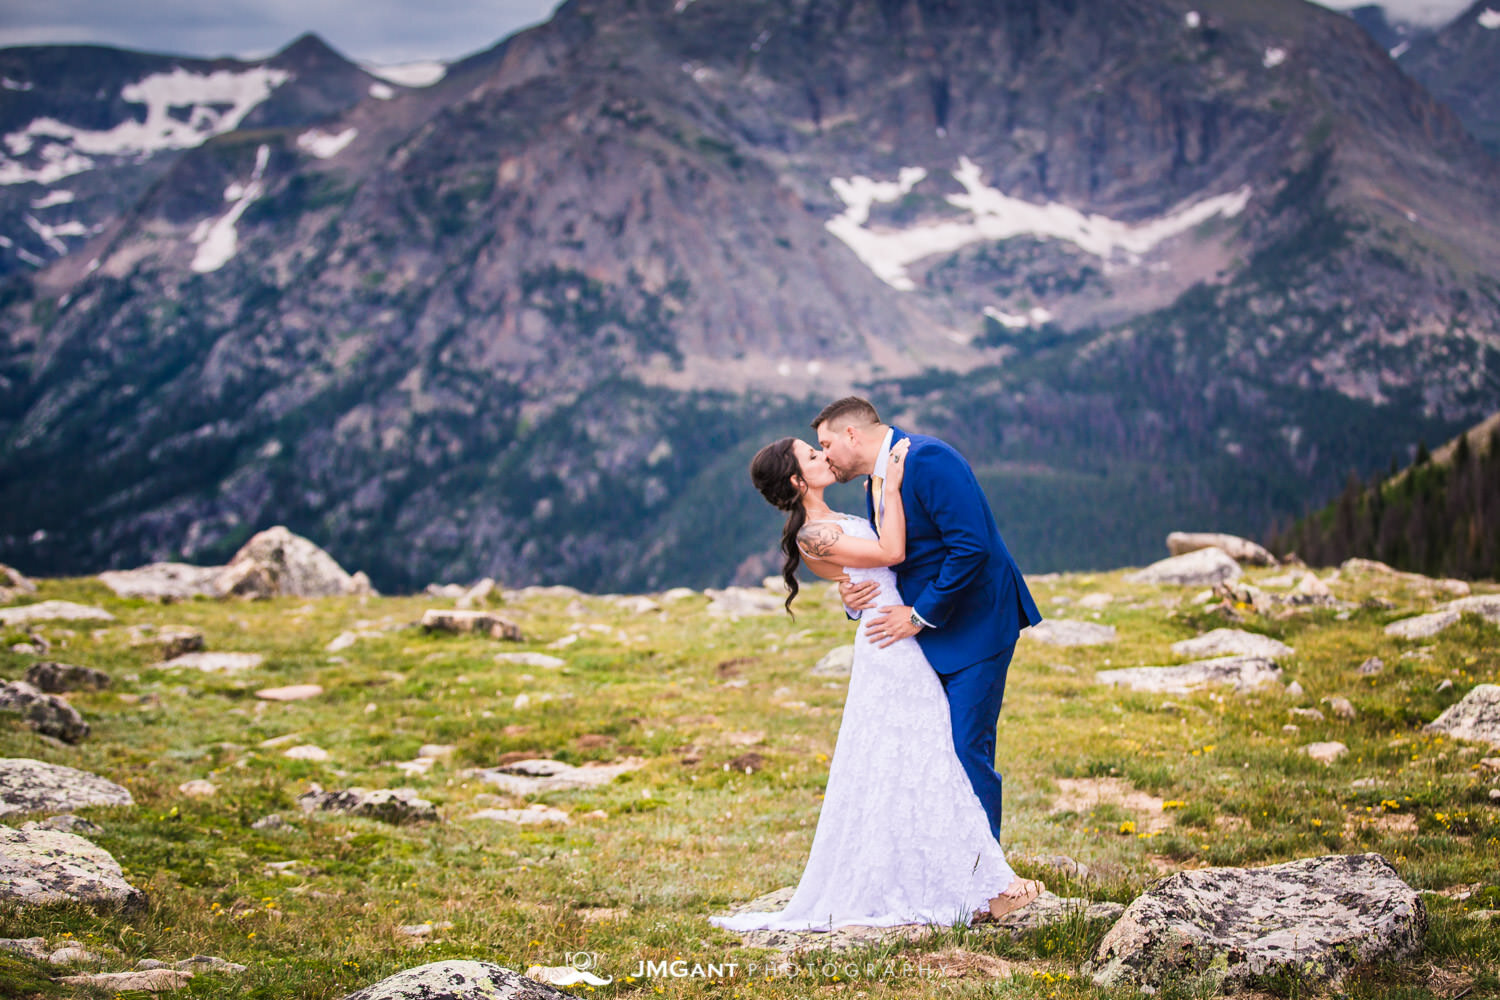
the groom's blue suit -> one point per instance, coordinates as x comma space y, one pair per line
960, 578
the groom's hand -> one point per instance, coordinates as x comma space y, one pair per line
894, 623
859, 596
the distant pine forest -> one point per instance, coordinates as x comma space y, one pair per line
1441, 518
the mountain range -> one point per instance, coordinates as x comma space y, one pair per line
1151, 265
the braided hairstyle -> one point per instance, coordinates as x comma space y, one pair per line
772, 470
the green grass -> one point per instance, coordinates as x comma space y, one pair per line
684, 837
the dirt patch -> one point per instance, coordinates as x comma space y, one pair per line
1081, 795
1354, 823
956, 963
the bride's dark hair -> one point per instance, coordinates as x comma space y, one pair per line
772, 470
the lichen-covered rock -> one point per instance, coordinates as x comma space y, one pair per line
1232, 642
837, 662
1065, 632
459, 980
28, 785
1240, 549
542, 774
1202, 568
55, 678
46, 713
212, 663
25, 614
389, 805
141, 980
170, 640
163, 581
13, 583
46, 867
1244, 673
732, 602
1486, 606
1315, 919
1476, 717
473, 622
1423, 626
277, 562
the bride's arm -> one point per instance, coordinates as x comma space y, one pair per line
825, 541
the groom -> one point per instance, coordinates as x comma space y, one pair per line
966, 601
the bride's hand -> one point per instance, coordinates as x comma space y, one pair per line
895, 466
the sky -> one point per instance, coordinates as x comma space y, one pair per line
378, 31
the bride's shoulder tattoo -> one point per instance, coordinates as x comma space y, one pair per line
818, 539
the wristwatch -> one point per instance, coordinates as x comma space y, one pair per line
916, 622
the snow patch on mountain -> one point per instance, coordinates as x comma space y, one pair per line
995, 216
381, 92
412, 74
216, 238
323, 145
1274, 57
52, 198
1489, 19
183, 110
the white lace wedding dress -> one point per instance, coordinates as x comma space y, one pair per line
901, 837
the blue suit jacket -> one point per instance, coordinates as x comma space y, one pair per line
958, 574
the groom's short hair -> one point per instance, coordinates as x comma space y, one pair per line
850, 409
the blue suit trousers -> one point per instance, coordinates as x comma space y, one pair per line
974, 696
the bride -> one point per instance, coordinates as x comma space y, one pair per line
901, 837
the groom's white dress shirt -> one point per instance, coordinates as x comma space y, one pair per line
881, 463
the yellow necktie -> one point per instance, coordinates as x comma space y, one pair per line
877, 496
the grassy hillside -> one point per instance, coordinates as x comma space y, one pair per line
646, 858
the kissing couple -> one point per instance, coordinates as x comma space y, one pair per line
910, 823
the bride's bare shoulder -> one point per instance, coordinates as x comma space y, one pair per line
818, 538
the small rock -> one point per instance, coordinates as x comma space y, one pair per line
539, 660
457, 979
837, 662
389, 805
1495, 794
198, 788
306, 751
1245, 673
146, 981
1294, 690
472, 623
213, 663
52, 611
208, 963
1200, 568
638, 605
1240, 549
1445, 685
1311, 586
1307, 713
1341, 707
533, 814
1423, 626
1232, 642
539, 774
272, 821
732, 602
13, 583
1325, 753
46, 713
73, 954
1063, 632
479, 595
1491, 764
1476, 717
171, 640
277, 562
1290, 727
34, 948
292, 692
57, 678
